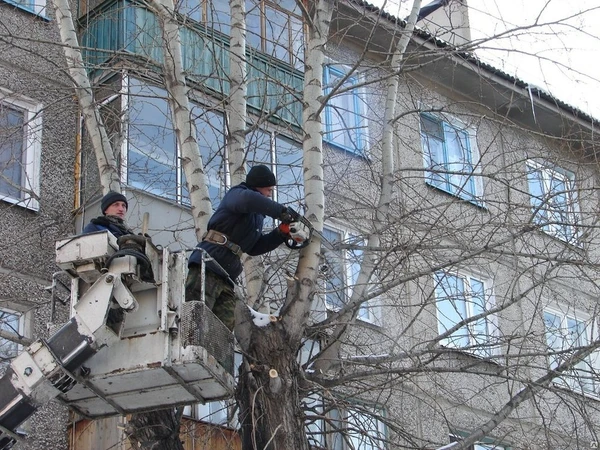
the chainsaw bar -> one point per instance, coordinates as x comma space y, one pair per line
310, 226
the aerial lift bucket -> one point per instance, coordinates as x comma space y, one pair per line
133, 344
168, 352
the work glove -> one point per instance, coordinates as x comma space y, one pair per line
284, 230
295, 235
132, 241
288, 215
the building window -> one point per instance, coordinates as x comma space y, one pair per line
153, 156
218, 412
340, 271
152, 153
275, 27
215, 14
210, 133
345, 118
458, 298
309, 350
11, 322
215, 413
153, 159
284, 157
20, 150
570, 331
450, 158
554, 200
35, 6
359, 428
312, 404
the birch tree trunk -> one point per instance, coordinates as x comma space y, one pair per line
105, 157
185, 128
160, 429
269, 393
347, 315
236, 128
236, 107
298, 305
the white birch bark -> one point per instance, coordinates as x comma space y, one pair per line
236, 107
185, 128
105, 157
236, 128
348, 314
298, 305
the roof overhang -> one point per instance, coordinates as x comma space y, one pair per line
511, 99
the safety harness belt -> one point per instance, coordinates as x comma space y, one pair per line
216, 237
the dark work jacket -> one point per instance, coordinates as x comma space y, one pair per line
113, 224
240, 216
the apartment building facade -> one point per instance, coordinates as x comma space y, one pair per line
38, 143
487, 277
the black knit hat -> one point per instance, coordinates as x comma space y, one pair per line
260, 176
111, 198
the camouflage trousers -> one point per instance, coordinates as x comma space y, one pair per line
218, 294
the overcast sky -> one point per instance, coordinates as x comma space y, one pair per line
562, 57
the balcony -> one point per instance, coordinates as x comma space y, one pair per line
123, 29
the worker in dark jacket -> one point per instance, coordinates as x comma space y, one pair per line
235, 228
114, 207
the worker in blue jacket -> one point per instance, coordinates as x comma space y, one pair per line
236, 228
114, 207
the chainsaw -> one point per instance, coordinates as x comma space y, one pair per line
300, 231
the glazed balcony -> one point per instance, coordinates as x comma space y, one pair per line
121, 29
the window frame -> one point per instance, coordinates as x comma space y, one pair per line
179, 195
205, 12
271, 158
371, 307
489, 348
128, 148
452, 124
220, 172
32, 151
569, 231
291, 51
591, 333
22, 330
336, 438
36, 7
264, 153
315, 423
213, 412
358, 131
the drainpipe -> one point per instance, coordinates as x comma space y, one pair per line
77, 168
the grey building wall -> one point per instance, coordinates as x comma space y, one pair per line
32, 66
433, 405
466, 401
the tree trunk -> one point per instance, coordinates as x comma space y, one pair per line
348, 313
105, 157
268, 393
236, 106
157, 430
184, 125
